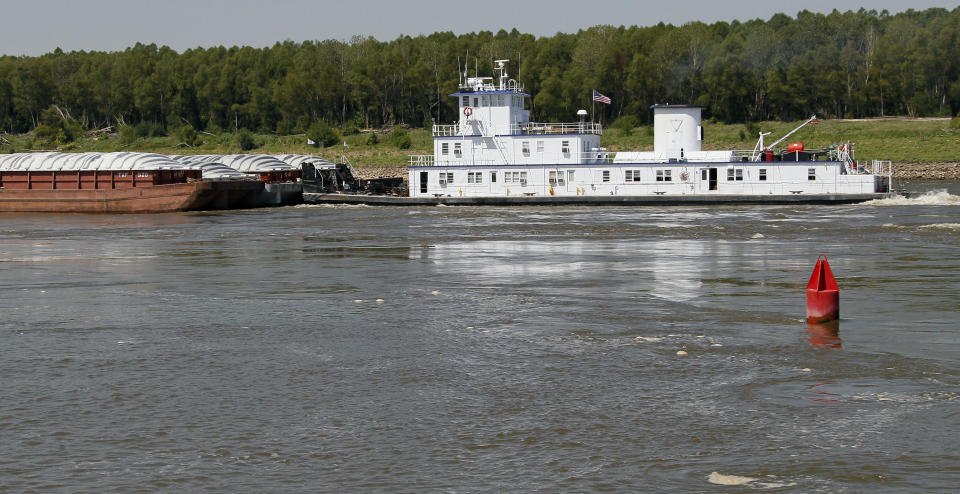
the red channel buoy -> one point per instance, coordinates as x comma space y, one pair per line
823, 294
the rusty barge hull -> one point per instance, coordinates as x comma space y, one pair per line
146, 198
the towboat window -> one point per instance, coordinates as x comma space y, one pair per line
565, 147
570, 175
606, 175
556, 178
539, 146
474, 177
631, 176
811, 173
457, 150
526, 147
466, 101
739, 174
445, 148
493, 176
446, 178
703, 174
486, 100
729, 173
500, 100
664, 175
476, 101
523, 178
763, 174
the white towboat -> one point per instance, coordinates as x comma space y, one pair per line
495, 151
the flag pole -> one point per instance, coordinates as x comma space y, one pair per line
593, 108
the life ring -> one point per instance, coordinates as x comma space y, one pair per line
467, 111
684, 176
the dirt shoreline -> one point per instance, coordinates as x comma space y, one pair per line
941, 170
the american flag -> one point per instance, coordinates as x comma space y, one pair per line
601, 98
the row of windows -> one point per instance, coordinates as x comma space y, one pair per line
494, 100
634, 176
515, 178
525, 147
557, 178
736, 174
458, 149
445, 149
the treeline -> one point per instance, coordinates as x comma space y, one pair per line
843, 64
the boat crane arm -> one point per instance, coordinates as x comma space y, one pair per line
804, 124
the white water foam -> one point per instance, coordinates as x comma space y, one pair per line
650, 339
942, 226
721, 479
930, 198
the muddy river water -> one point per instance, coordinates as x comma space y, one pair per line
476, 349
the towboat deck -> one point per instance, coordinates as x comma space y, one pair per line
659, 200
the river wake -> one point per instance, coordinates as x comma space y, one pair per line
930, 198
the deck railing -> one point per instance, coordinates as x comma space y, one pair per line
446, 130
537, 128
558, 160
528, 128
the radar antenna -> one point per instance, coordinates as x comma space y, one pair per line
501, 66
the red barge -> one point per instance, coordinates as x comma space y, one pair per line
151, 191
120, 183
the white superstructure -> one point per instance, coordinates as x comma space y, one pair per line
494, 150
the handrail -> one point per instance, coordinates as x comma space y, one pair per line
546, 128
421, 160
527, 128
446, 130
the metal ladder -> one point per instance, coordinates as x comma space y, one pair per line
490, 134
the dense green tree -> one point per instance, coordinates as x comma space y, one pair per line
322, 134
856, 63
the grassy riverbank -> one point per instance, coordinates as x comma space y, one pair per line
897, 139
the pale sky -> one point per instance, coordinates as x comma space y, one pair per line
34, 27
